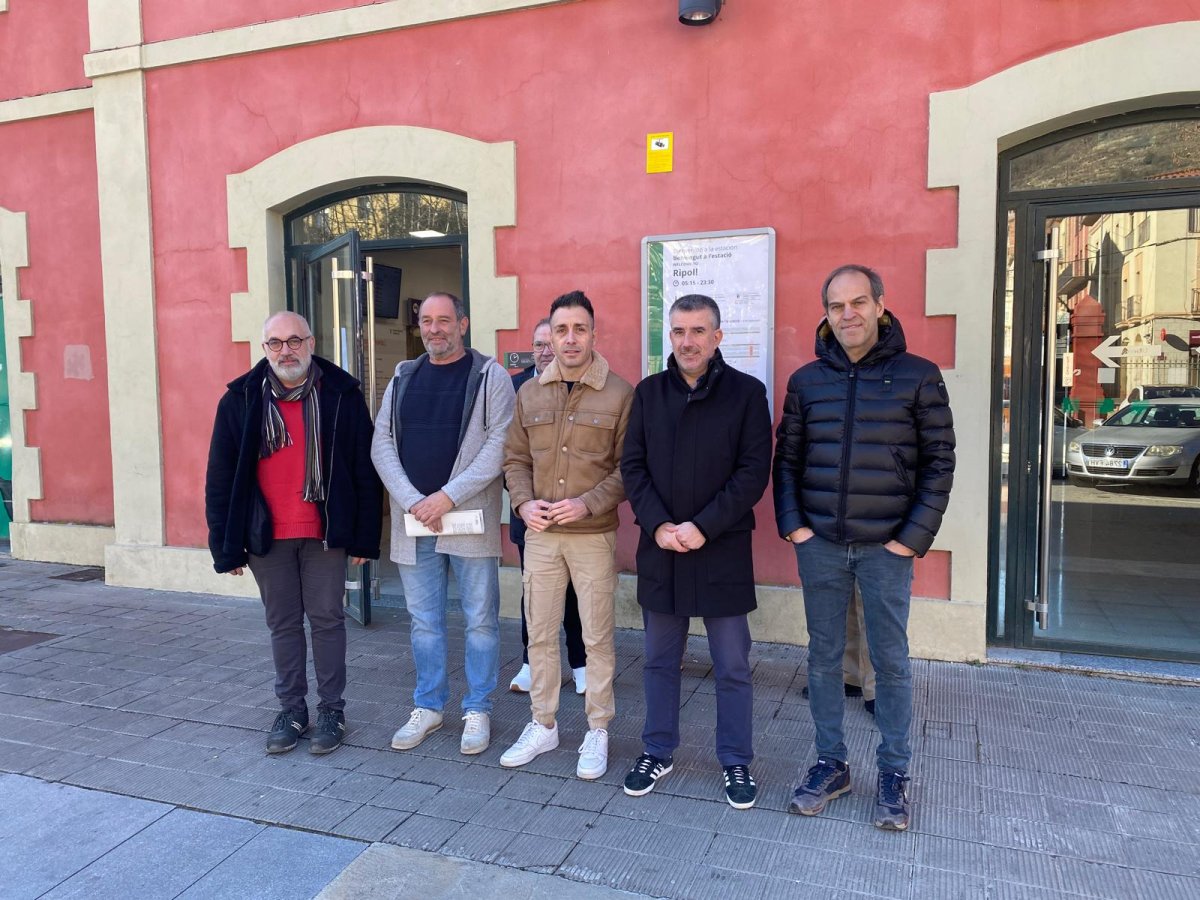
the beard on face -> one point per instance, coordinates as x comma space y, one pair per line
292, 371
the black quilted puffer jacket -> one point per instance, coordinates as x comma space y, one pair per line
865, 452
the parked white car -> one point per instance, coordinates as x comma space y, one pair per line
1153, 442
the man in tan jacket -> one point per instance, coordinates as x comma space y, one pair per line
562, 463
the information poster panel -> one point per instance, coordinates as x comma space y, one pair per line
736, 269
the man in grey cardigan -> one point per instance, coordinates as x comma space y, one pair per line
438, 446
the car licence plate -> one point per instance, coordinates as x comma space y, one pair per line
1105, 462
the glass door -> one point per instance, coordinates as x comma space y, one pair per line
337, 298
1100, 466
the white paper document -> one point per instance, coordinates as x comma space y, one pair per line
457, 521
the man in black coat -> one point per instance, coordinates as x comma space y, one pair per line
863, 466
697, 458
291, 493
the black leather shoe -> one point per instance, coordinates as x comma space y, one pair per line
286, 731
331, 728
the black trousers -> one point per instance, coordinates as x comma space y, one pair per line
299, 578
576, 653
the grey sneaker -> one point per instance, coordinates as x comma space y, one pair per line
421, 724
477, 732
892, 806
827, 780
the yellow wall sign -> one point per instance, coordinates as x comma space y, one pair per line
660, 152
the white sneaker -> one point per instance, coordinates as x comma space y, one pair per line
580, 676
535, 740
522, 681
477, 733
593, 755
421, 724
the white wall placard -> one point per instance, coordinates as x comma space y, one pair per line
735, 268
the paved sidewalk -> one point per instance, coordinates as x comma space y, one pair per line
1027, 783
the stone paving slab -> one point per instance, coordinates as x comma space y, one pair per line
1027, 783
59, 842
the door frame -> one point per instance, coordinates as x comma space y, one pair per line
1029, 328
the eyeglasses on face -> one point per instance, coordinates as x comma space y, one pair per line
294, 343
542, 346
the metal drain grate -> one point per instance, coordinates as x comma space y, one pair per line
92, 573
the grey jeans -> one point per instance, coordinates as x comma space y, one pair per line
299, 578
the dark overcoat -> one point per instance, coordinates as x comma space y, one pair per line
238, 520
700, 456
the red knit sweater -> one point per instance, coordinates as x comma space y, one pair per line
281, 477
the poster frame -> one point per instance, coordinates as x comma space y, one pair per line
769, 347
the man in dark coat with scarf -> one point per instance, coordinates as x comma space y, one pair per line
292, 494
863, 467
697, 458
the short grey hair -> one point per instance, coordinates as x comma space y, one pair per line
872, 276
542, 323
460, 311
694, 302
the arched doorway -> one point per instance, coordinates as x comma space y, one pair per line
358, 264
1096, 439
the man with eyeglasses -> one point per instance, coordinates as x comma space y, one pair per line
292, 494
543, 352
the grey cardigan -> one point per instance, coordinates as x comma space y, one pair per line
475, 479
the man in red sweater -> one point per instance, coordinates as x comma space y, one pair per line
291, 493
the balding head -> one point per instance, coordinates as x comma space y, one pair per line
289, 363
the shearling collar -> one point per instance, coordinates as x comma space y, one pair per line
594, 376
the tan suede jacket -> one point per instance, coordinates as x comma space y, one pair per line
563, 445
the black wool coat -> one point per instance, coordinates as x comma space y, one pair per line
238, 521
701, 456
865, 451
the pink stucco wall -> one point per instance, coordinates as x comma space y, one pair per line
48, 171
42, 47
165, 19
815, 124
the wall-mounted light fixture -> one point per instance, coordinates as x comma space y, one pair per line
699, 12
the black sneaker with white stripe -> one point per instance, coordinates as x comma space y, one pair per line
286, 731
740, 789
645, 772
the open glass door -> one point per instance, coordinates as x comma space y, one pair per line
1106, 428
338, 301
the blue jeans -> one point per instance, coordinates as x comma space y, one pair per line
425, 589
828, 572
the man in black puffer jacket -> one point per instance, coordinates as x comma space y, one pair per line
864, 461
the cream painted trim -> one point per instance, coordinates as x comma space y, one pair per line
937, 629
259, 198
22, 385
3, 6
968, 128
328, 26
185, 569
114, 23
44, 105
127, 261
78, 545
